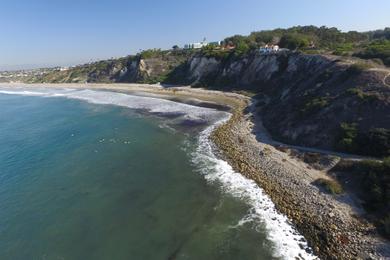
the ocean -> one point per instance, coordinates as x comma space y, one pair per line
88, 174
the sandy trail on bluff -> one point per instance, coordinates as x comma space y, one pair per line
385, 78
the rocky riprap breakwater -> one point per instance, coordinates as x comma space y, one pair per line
331, 227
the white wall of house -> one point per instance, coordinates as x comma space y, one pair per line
196, 45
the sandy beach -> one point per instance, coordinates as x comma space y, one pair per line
330, 223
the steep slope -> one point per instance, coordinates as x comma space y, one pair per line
149, 68
312, 100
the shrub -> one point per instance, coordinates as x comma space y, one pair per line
386, 225
326, 75
211, 52
236, 40
354, 91
362, 95
315, 104
371, 179
357, 68
241, 48
157, 79
330, 186
376, 183
151, 53
387, 61
348, 133
377, 49
312, 51
376, 142
343, 49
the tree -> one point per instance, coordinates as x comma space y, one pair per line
241, 48
236, 40
294, 41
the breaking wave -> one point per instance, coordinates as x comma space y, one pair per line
153, 105
288, 243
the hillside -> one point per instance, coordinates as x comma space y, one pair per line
150, 66
306, 96
321, 97
311, 100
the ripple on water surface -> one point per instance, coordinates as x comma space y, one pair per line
81, 180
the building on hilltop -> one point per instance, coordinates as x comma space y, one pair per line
216, 44
196, 45
204, 43
229, 46
269, 48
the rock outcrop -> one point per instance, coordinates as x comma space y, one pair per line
303, 99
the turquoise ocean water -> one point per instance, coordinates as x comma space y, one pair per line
93, 180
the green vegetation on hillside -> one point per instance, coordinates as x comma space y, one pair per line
312, 39
314, 105
308, 39
364, 96
330, 186
150, 53
379, 49
375, 142
211, 52
371, 180
343, 49
347, 139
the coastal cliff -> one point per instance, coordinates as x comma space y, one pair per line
307, 100
327, 102
312, 129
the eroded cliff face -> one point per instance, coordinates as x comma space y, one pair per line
251, 71
303, 99
130, 69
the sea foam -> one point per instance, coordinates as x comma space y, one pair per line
288, 243
152, 105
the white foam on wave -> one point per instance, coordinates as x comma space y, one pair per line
23, 92
281, 233
151, 104
288, 243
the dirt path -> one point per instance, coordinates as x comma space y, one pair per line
385, 80
386, 77
264, 136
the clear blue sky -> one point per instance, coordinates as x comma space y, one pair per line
54, 32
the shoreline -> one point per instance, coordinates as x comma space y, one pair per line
331, 224
287, 242
327, 223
